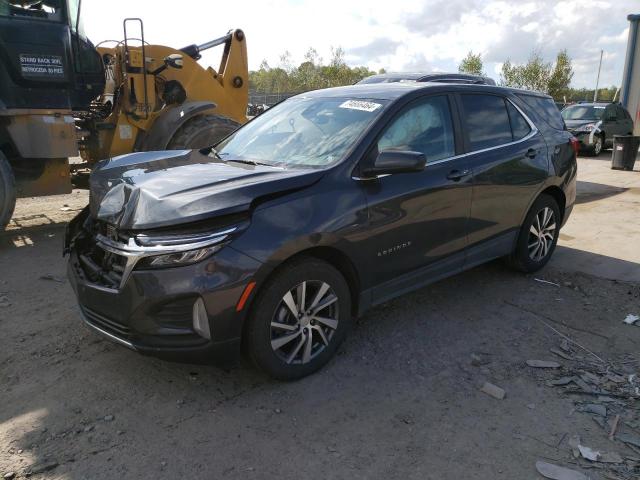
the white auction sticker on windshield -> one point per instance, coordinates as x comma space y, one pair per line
361, 105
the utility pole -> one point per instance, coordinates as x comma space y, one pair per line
595, 93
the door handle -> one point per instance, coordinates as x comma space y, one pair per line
531, 153
456, 175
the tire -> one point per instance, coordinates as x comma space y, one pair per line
285, 351
7, 191
598, 146
525, 257
201, 132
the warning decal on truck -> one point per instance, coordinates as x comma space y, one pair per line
38, 65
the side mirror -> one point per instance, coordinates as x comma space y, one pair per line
174, 60
389, 162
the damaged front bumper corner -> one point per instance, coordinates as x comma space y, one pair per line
152, 310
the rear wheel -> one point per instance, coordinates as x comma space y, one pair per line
538, 236
7, 191
299, 319
202, 131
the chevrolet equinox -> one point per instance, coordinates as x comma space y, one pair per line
327, 204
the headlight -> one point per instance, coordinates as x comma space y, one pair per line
178, 258
586, 128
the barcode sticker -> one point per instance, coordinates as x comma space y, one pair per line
361, 105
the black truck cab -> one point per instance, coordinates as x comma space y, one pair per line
46, 61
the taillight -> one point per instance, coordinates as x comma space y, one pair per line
575, 144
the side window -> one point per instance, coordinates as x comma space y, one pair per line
546, 108
610, 113
423, 127
519, 126
487, 121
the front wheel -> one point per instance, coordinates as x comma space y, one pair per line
538, 236
598, 145
299, 319
7, 191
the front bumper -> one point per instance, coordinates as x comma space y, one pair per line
585, 139
152, 312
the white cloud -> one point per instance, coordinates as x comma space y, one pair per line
412, 34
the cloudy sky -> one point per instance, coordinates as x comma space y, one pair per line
405, 35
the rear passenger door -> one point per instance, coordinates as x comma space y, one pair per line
509, 161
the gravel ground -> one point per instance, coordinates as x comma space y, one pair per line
402, 399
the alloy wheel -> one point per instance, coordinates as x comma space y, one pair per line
304, 322
541, 234
597, 147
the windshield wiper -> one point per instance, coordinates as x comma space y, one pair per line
215, 153
250, 162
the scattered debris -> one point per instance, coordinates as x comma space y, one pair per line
632, 319
108, 418
629, 438
277, 410
543, 364
595, 409
546, 281
574, 441
561, 354
588, 453
493, 390
555, 472
4, 301
53, 278
477, 359
614, 427
65, 209
560, 381
9, 475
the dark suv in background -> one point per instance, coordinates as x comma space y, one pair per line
595, 124
328, 204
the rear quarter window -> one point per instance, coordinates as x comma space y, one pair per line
487, 121
546, 109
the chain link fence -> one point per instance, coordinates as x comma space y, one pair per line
270, 99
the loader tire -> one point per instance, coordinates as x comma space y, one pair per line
7, 192
202, 131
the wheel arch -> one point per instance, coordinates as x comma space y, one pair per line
329, 254
552, 190
168, 123
558, 195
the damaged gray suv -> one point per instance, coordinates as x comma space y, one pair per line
324, 206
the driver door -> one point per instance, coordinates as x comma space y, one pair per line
418, 221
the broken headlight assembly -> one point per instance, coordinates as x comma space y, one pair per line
179, 258
148, 251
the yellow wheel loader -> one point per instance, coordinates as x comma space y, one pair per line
61, 96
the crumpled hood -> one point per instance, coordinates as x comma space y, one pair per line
157, 189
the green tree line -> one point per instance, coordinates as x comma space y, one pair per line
553, 78
311, 74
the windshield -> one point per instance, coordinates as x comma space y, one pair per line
583, 112
302, 132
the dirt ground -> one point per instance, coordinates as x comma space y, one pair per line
402, 400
